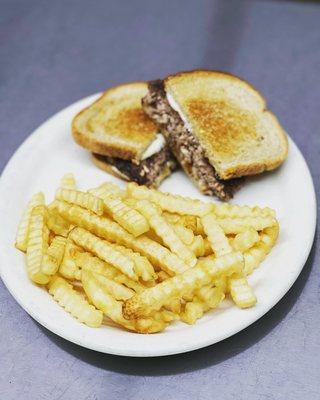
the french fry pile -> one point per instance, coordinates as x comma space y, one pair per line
140, 257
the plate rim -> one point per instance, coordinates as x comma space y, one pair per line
186, 347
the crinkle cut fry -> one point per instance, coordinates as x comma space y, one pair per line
185, 234
57, 224
82, 199
38, 241
23, 228
68, 181
104, 250
103, 227
68, 298
188, 221
241, 292
218, 240
234, 211
113, 308
106, 190
167, 233
254, 256
203, 273
245, 240
54, 256
142, 265
206, 298
129, 218
238, 225
169, 202
68, 267
115, 289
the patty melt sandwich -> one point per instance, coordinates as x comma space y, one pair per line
218, 128
123, 140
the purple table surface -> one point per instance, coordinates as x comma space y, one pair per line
54, 53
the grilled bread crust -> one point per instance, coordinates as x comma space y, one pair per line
115, 125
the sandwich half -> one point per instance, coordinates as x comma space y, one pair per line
123, 140
218, 128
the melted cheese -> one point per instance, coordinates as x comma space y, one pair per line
154, 147
176, 107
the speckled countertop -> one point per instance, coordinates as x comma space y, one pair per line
53, 53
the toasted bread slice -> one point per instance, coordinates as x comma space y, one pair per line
115, 125
229, 118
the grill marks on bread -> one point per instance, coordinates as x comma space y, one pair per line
115, 125
222, 123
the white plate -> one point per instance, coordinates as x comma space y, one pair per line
50, 152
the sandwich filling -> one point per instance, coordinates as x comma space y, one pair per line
150, 171
154, 147
184, 145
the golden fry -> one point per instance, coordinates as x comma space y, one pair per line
82, 199
245, 240
38, 239
188, 221
209, 296
238, 225
49, 265
129, 218
106, 190
74, 303
192, 312
218, 240
56, 223
142, 266
57, 247
68, 181
115, 289
159, 255
254, 256
206, 298
54, 256
242, 293
169, 202
68, 267
167, 233
185, 234
23, 228
174, 305
222, 283
226, 210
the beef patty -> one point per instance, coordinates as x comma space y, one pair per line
148, 172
